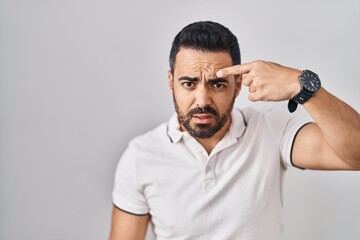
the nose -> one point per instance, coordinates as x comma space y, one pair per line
203, 96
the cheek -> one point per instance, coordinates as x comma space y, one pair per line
183, 100
223, 101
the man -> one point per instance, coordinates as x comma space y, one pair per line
214, 172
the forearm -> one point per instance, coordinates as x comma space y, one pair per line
339, 124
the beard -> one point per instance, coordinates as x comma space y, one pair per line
203, 130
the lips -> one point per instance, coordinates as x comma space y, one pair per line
203, 118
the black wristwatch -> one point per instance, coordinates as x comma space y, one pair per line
310, 84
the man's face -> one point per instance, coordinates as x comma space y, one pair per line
203, 102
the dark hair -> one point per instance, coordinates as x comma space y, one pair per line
208, 37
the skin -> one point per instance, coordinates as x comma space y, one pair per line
194, 84
331, 143
127, 226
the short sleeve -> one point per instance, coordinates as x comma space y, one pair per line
128, 194
287, 142
284, 127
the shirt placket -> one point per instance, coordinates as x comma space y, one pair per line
209, 178
207, 163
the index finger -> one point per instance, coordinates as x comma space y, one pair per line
234, 70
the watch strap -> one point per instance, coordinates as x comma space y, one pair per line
292, 105
302, 96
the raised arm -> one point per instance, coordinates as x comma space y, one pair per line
332, 142
126, 226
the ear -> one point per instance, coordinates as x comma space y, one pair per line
171, 81
238, 83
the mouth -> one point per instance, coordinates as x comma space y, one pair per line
203, 118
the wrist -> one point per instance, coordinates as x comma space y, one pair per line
295, 86
309, 84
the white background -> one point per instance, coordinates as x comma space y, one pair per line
79, 79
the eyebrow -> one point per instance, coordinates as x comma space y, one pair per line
211, 80
191, 79
217, 80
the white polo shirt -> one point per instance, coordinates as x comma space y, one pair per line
233, 193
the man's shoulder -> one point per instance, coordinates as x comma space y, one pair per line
274, 120
267, 117
250, 113
156, 136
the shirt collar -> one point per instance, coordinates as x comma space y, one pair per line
236, 129
173, 130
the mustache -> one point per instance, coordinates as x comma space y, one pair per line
204, 110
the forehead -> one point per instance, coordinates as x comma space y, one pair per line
190, 61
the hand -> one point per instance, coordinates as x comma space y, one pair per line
267, 81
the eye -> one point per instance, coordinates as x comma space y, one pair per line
188, 84
219, 85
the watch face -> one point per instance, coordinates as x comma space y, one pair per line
310, 81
